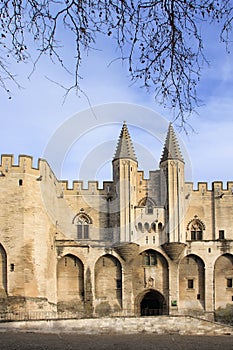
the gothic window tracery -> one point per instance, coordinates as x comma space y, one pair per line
196, 228
83, 222
148, 203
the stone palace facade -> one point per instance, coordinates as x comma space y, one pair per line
134, 247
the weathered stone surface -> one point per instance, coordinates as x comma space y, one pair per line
156, 325
174, 249
94, 252
127, 251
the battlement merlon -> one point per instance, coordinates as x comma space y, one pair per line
93, 187
43, 171
24, 165
216, 187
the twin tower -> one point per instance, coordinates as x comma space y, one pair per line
154, 205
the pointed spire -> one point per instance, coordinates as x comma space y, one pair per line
171, 148
125, 146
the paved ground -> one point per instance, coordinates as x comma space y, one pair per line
33, 341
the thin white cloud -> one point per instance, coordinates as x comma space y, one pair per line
29, 120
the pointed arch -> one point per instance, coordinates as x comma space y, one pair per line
70, 282
83, 222
3, 270
146, 201
153, 226
82, 216
150, 303
139, 227
160, 227
223, 280
108, 284
192, 283
150, 271
195, 228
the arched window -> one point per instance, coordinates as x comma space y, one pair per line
146, 226
149, 209
153, 226
148, 203
140, 226
150, 258
160, 227
196, 228
83, 222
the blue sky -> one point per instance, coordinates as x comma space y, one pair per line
32, 119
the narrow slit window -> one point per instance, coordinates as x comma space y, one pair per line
190, 284
221, 234
229, 283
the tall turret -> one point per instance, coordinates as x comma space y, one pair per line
172, 187
125, 179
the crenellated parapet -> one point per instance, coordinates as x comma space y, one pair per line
215, 187
24, 164
93, 188
43, 171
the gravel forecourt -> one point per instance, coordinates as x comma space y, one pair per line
37, 341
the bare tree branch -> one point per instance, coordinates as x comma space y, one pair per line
160, 40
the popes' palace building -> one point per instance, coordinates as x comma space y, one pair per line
135, 247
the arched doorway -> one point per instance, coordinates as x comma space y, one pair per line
70, 284
108, 285
152, 304
223, 280
191, 284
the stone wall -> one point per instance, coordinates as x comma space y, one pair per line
156, 325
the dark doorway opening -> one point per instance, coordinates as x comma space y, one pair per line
152, 304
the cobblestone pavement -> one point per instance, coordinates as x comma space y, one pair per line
35, 341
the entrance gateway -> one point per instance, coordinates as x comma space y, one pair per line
153, 304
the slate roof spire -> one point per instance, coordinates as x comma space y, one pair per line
171, 148
125, 146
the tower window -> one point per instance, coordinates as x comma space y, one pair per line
196, 228
221, 234
149, 209
83, 230
160, 227
140, 226
153, 226
150, 259
229, 283
83, 224
190, 284
20, 182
